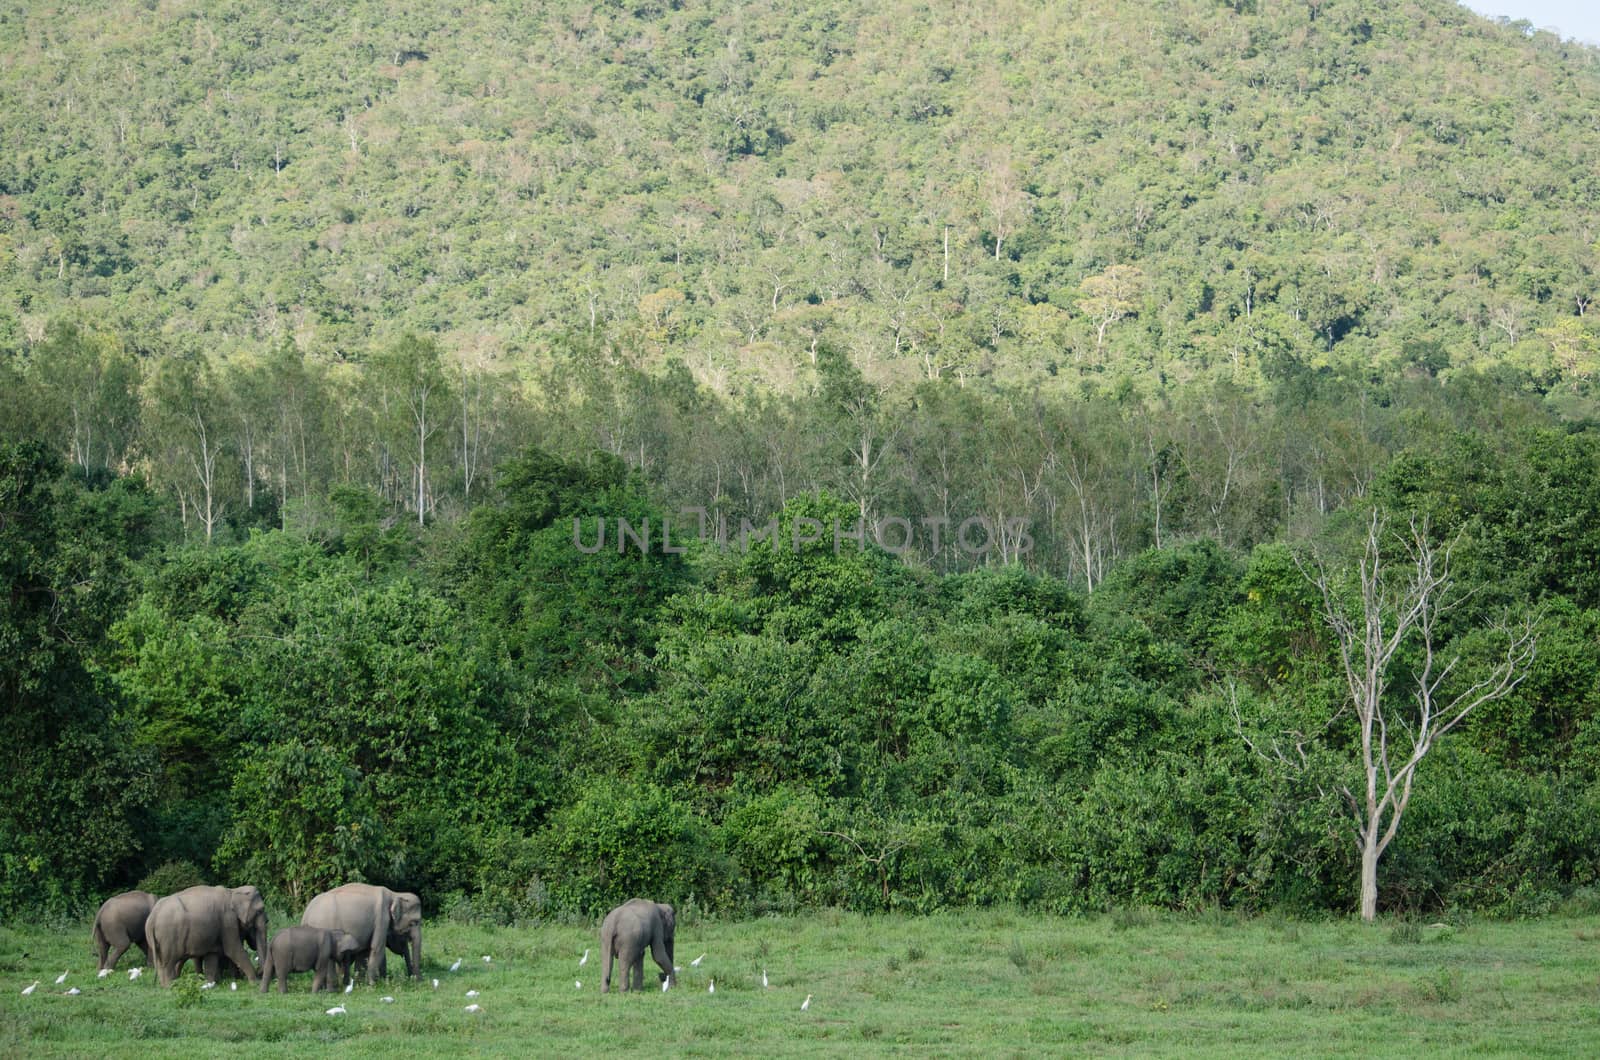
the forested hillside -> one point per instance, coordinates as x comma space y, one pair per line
330, 339
1020, 190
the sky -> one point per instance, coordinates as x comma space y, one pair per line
1573, 18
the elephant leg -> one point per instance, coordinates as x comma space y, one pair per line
235, 953
658, 950
115, 955
209, 966
636, 970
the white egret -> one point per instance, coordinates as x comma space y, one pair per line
74, 992
386, 999
474, 1008
763, 978
696, 962
806, 1003
456, 967
436, 984
472, 993
135, 973
103, 973
337, 1010
664, 984
61, 978
711, 988
30, 989
584, 959
235, 986
209, 986
577, 984
351, 985
487, 959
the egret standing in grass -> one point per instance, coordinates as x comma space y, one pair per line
456, 967
696, 962
806, 1003
351, 985
61, 978
134, 974
30, 989
103, 973
74, 992
711, 988
763, 978
584, 959
337, 1010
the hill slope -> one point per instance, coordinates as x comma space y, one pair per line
1022, 189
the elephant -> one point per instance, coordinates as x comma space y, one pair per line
202, 921
325, 953
120, 924
629, 930
378, 918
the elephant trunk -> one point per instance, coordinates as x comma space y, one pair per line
414, 952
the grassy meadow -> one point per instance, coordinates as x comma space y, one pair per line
995, 983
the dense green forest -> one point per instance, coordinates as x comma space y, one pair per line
330, 339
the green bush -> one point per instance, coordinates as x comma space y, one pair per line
171, 877
619, 840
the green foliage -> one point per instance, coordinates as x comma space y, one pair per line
303, 820
618, 840
71, 781
170, 877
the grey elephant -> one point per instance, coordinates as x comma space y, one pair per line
629, 930
327, 954
120, 924
202, 921
379, 919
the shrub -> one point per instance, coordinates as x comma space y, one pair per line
172, 877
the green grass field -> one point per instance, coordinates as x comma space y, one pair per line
989, 983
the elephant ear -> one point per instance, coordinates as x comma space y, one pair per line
668, 917
397, 904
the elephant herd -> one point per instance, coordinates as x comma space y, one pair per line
356, 923
352, 924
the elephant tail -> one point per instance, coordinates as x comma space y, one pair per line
99, 935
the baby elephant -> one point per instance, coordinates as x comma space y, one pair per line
327, 952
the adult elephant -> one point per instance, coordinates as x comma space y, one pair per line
202, 921
379, 919
120, 924
629, 930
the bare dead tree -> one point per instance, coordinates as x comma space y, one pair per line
1395, 608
